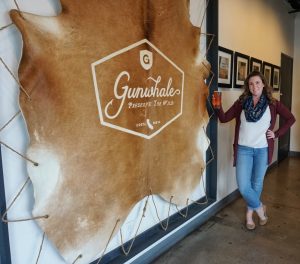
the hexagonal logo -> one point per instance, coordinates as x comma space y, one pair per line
139, 90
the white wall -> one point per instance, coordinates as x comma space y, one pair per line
295, 131
259, 28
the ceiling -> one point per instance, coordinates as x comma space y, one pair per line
295, 5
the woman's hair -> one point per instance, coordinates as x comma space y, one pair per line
267, 90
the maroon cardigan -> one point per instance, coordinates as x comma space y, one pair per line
276, 108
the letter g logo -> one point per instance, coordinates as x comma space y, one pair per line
146, 59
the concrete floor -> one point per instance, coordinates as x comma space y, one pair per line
224, 238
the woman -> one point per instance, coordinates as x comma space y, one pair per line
255, 113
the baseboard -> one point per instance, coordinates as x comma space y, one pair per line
152, 252
294, 154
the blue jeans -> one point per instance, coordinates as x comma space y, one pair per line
251, 166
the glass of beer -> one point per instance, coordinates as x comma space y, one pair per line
216, 99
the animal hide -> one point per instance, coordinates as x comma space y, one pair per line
91, 174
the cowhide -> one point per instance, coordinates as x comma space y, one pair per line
90, 175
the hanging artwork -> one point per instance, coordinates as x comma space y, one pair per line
225, 66
276, 78
267, 71
115, 106
241, 69
255, 65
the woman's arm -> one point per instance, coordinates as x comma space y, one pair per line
231, 113
288, 117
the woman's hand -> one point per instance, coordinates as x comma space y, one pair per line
216, 100
270, 134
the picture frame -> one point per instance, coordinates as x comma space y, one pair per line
225, 66
255, 64
241, 69
268, 72
276, 78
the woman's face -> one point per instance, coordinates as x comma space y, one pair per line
256, 86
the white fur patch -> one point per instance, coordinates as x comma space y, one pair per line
48, 24
202, 141
36, 135
44, 176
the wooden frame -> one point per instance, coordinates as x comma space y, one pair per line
241, 69
276, 78
255, 65
225, 65
268, 72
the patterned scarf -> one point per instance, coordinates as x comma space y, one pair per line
252, 113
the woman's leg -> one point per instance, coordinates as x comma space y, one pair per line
244, 168
260, 165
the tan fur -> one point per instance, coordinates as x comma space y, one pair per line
104, 172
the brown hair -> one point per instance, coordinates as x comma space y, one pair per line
267, 90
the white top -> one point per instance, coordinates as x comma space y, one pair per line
253, 134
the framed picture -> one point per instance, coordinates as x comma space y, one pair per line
241, 69
276, 78
267, 72
255, 65
225, 59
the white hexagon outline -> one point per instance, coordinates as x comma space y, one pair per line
114, 54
